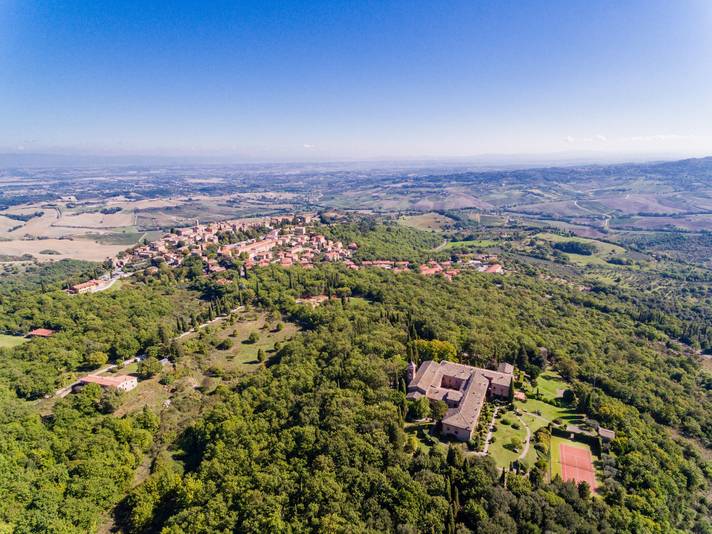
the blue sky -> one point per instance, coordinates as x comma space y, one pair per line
332, 80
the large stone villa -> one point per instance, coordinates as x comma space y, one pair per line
463, 388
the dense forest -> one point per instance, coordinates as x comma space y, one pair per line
314, 439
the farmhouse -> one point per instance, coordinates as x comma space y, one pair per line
85, 287
463, 388
495, 268
120, 383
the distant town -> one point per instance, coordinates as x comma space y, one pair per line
286, 241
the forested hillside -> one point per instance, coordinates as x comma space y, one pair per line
312, 435
315, 441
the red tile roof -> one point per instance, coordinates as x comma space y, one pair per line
109, 381
41, 332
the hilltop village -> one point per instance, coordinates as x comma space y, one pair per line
285, 241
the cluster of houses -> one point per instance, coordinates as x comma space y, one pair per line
198, 240
286, 245
287, 241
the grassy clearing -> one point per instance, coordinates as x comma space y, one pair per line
550, 386
539, 413
242, 356
603, 252
707, 364
359, 301
427, 221
421, 430
148, 393
475, 243
119, 284
7, 342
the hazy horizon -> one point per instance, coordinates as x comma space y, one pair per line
70, 159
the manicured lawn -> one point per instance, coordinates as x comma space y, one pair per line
534, 422
549, 385
501, 454
550, 412
126, 370
11, 341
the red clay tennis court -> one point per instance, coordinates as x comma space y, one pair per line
577, 464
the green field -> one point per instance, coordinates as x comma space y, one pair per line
475, 243
539, 413
11, 341
604, 250
549, 386
426, 221
242, 356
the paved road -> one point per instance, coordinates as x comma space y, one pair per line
113, 280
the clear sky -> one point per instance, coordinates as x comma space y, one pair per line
355, 79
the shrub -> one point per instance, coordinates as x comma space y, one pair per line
167, 379
225, 344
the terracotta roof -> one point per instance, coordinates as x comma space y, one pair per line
463, 387
85, 285
494, 268
467, 412
41, 332
110, 381
505, 367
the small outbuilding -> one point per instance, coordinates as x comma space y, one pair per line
606, 434
41, 332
